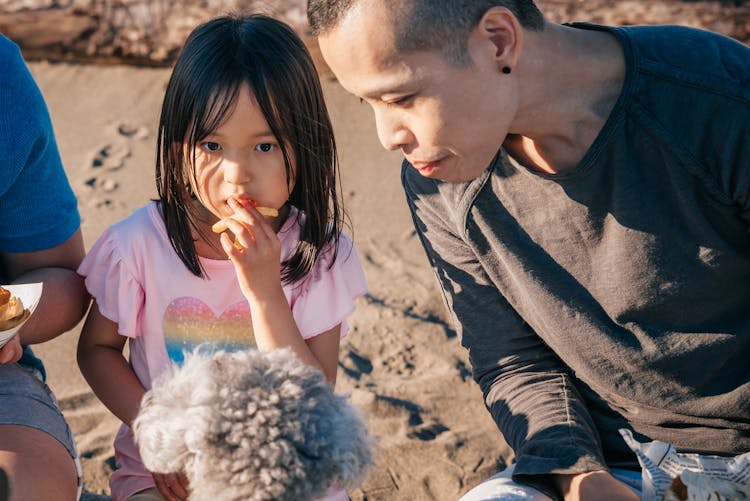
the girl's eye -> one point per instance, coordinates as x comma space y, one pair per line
211, 146
265, 147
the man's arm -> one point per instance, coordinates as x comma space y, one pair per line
592, 486
40, 239
526, 387
64, 298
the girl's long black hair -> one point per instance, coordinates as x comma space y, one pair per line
217, 59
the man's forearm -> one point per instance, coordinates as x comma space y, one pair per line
592, 485
64, 302
544, 420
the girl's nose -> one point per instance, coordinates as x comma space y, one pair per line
235, 171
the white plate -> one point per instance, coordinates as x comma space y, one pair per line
29, 295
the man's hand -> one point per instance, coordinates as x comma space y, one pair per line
592, 486
11, 351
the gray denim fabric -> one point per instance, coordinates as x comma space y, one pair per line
28, 401
616, 294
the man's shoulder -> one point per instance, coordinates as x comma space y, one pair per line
15, 79
9, 52
691, 55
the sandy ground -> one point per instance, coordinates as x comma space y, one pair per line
402, 363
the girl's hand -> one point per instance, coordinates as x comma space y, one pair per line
257, 262
173, 486
11, 351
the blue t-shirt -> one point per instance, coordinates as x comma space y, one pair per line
38, 209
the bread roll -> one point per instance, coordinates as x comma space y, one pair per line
12, 311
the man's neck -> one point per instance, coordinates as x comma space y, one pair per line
571, 80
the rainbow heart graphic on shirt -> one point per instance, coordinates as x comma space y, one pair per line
189, 322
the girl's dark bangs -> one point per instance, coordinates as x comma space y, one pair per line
280, 125
207, 119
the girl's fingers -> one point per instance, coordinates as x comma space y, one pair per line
232, 247
179, 486
255, 211
253, 218
173, 486
244, 236
163, 487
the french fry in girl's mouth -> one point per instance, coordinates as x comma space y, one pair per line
221, 225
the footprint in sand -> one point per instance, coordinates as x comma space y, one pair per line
140, 132
111, 157
464, 371
102, 184
355, 365
99, 193
402, 363
427, 431
404, 414
108, 158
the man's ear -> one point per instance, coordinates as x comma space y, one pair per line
498, 35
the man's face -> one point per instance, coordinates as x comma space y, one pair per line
448, 119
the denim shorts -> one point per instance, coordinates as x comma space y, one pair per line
26, 400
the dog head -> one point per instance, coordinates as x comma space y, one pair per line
251, 426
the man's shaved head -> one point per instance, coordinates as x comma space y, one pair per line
442, 25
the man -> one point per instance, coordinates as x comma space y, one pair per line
583, 195
40, 241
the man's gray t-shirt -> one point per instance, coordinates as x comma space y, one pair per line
616, 295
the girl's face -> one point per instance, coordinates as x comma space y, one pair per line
240, 158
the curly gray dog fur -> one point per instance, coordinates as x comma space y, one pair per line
251, 426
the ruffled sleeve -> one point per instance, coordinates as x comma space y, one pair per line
113, 285
328, 294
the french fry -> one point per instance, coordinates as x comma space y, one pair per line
267, 211
221, 225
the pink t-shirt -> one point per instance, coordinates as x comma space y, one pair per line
139, 282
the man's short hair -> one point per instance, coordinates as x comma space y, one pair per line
428, 24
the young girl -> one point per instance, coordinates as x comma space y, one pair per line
243, 124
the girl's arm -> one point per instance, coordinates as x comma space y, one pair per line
256, 261
325, 348
112, 378
274, 327
106, 370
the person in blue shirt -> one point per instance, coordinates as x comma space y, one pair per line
40, 241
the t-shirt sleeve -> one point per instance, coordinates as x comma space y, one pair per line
38, 206
328, 294
113, 285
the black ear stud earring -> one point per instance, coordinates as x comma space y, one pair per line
506, 70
